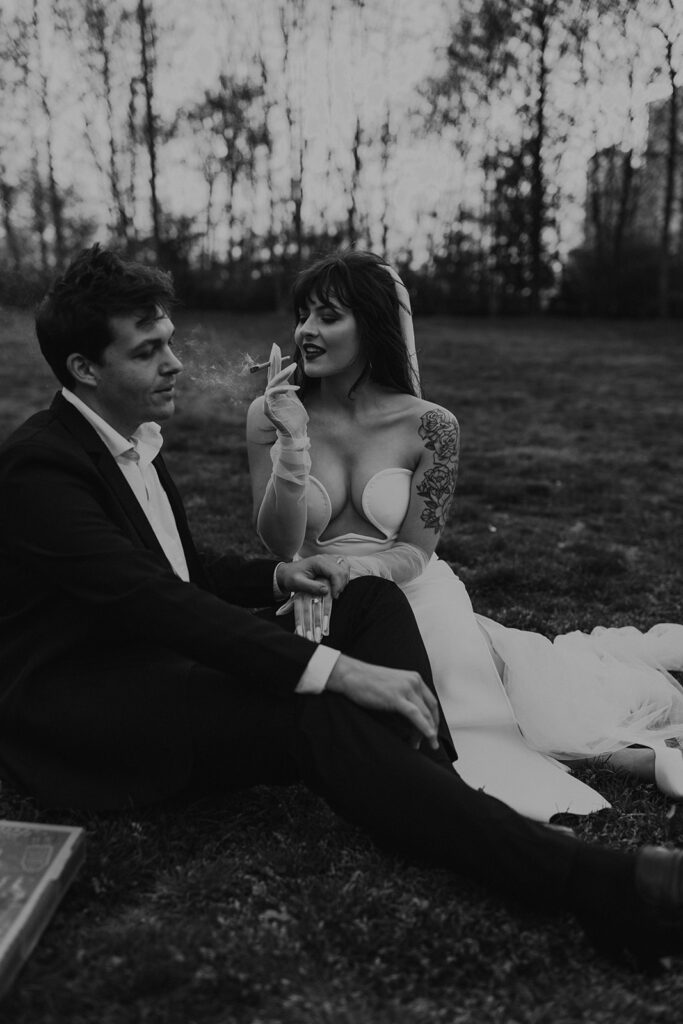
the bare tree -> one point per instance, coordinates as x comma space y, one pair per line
8, 190
542, 14
498, 91
463, 99
38, 206
352, 209
147, 66
96, 31
292, 22
230, 114
97, 19
387, 141
670, 31
268, 104
40, 15
21, 124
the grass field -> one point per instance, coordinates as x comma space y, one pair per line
264, 908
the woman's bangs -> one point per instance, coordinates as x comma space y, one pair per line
327, 286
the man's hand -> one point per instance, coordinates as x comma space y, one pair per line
313, 583
317, 575
388, 689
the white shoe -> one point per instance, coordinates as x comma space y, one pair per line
669, 770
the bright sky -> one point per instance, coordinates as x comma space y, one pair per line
367, 69
377, 55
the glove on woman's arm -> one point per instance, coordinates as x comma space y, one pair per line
402, 563
281, 521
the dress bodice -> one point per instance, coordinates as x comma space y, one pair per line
384, 504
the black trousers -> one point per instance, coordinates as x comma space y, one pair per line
360, 762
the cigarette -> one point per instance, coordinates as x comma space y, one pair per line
255, 367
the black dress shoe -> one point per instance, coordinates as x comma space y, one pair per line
652, 926
659, 881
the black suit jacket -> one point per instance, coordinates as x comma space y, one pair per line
97, 634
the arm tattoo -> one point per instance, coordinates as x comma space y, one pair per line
441, 436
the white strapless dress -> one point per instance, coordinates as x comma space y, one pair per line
515, 701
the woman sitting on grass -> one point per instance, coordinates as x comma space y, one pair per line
347, 458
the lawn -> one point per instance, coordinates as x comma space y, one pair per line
264, 907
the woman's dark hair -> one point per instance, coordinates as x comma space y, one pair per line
361, 282
99, 284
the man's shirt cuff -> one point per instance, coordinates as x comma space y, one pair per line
318, 670
278, 595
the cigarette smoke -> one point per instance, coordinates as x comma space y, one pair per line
207, 367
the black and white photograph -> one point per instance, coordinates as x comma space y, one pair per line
341, 573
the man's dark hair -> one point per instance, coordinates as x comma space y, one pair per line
99, 284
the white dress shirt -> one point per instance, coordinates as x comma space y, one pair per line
133, 456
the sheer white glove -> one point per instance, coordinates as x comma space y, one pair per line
311, 597
280, 402
281, 520
402, 563
289, 455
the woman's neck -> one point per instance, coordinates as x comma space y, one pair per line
344, 394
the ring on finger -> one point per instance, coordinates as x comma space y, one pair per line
339, 561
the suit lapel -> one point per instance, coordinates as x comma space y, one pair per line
106, 466
194, 564
117, 483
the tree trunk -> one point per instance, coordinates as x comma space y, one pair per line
670, 177
38, 209
205, 255
146, 65
352, 210
123, 220
270, 185
6, 198
620, 226
297, 144
55, 200
386, 139
538, 199
131, 195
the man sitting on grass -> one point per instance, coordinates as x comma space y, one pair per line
129, 672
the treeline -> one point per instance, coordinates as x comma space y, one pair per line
519, 166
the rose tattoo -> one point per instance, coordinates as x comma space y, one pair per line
441, 436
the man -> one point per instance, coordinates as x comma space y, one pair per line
128, 673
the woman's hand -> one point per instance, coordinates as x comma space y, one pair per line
312, 616
280, 402
313, 583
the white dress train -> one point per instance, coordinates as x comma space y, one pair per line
513, 698
492, 753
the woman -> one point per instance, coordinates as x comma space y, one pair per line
347, 458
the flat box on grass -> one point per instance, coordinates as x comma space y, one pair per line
37, 864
